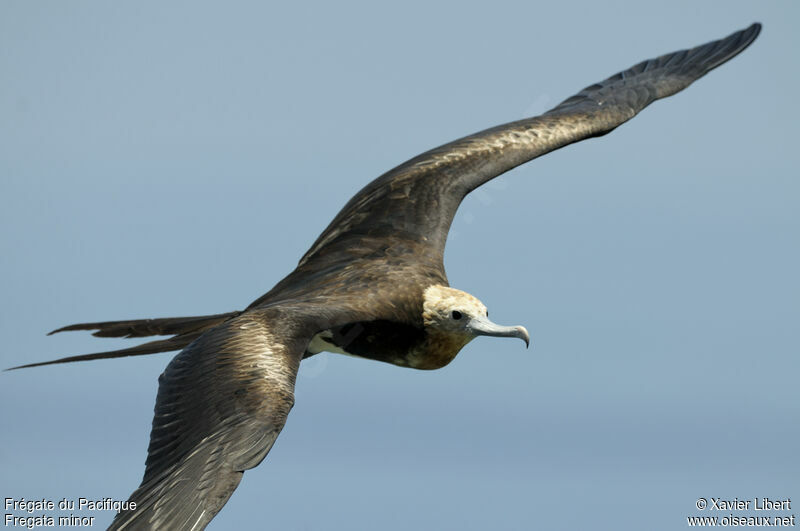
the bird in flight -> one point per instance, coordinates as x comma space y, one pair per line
372, 285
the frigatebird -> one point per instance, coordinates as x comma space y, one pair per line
372, 285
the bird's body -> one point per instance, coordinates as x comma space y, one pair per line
372, 285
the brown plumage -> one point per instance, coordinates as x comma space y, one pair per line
372, 285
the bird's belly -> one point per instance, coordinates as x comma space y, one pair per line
323, 342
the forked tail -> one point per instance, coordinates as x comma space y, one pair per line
183, 329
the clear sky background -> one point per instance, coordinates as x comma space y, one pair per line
162, 160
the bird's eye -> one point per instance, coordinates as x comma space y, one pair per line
456, 315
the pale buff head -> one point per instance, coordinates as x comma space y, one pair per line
457, 313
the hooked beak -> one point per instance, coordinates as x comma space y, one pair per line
482, 326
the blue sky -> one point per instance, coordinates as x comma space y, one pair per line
161, 160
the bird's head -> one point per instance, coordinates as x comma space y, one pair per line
460, 315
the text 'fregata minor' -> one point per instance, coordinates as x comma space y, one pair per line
373, 285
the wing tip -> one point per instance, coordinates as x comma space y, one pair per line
732, 45
755, 28
748, 34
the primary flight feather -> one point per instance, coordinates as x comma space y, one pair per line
372, 285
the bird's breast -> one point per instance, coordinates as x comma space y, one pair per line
396, 343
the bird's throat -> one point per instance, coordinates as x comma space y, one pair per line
438, 349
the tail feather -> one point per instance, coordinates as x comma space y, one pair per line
184, 329
150, 327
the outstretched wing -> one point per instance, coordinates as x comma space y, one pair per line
221, 404
414, 203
